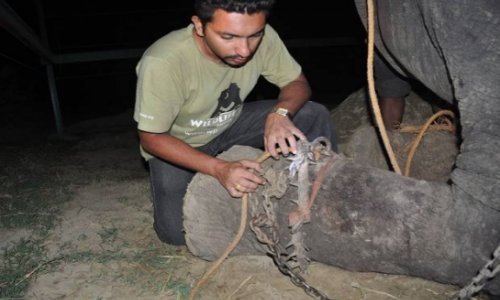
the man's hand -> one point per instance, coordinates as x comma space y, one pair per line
280, 132
239, 177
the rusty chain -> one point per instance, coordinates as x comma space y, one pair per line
295, 277
261, 223
265, 226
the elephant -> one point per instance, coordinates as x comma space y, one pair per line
453, 48
375, 220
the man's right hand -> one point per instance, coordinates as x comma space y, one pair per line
239, 177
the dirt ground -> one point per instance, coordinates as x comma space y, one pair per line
102, 245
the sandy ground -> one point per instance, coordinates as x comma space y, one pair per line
104, 247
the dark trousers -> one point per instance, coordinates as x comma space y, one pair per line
169, 182
388, 82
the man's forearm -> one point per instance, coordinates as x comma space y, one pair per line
295, 94
176, 151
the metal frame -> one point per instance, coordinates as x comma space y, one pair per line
19, 29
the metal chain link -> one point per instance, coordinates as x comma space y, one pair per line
295, 277
490, 269
271, 239
265, 227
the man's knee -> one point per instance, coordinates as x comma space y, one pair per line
167, 211
315, 120
314, 117
168, 185
313, 109
169, 234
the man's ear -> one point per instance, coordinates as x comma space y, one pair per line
198, 26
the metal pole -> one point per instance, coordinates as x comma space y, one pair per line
54, 98
49, 67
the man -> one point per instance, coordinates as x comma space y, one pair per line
189, 107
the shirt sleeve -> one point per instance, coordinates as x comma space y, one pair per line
280, 68
158, 95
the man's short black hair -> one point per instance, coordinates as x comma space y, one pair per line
204, 9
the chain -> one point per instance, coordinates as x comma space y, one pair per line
295, 277
265, 227
261, 223
490, 269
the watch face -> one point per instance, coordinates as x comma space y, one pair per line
282, 111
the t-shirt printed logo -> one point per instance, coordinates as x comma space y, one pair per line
229, 105
229, 100
220, 119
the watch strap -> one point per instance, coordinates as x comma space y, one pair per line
282, 111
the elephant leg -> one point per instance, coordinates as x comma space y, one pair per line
368, 219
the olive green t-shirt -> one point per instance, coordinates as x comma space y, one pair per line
183, 93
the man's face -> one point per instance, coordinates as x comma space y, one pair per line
231, 37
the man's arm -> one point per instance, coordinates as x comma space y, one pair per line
230, 174
280, 131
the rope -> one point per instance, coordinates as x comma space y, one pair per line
376, 107
371, 89
420, 136
378, 117
239, 234
445, 126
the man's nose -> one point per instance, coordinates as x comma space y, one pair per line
243, 48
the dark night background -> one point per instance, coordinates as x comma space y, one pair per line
98, 89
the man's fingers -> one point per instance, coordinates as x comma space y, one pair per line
285, 149
293, 145
286, 142
292, 141
239, 190
235, 193
273, 144
251, 165
300, 135
271, 148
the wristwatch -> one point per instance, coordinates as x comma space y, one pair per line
282, 111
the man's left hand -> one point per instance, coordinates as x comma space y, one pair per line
280, 132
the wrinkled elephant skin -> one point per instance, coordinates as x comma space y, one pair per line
453, 48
